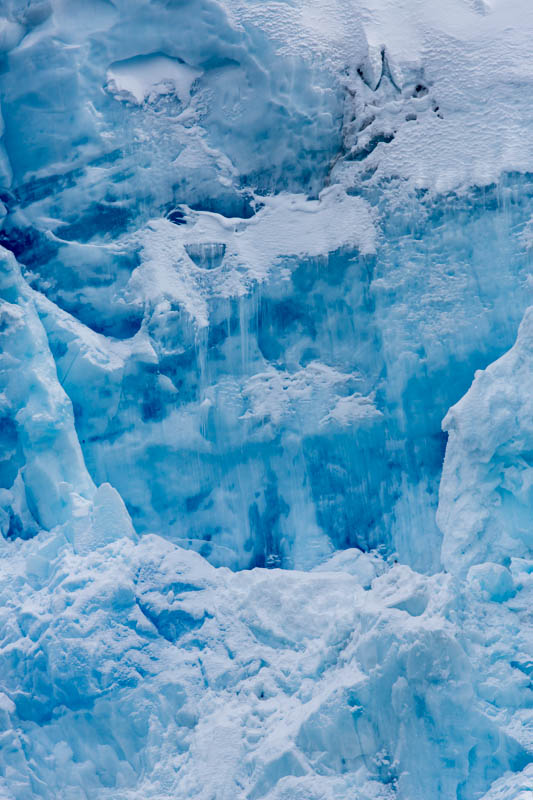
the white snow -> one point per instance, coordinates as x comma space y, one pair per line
287, 227
144, 78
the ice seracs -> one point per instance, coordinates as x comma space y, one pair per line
264, 683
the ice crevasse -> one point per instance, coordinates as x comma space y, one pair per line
266, 361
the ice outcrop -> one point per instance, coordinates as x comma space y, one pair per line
43, 471
134, 668
485, 493
252, 255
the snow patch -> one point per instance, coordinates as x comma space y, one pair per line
145, 78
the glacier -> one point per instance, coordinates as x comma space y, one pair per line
266, 372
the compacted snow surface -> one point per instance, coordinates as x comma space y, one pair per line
266, 400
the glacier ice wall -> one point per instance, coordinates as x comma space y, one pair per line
197, 266
252, 255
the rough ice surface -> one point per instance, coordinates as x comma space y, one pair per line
266, 381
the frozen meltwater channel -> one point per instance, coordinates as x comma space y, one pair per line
266, 361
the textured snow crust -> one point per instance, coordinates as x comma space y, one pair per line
253, 254
134, 669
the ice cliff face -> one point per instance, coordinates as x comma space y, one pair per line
253, 255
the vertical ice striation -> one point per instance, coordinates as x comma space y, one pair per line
191, 256
252, 256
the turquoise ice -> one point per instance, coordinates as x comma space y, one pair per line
266, 360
